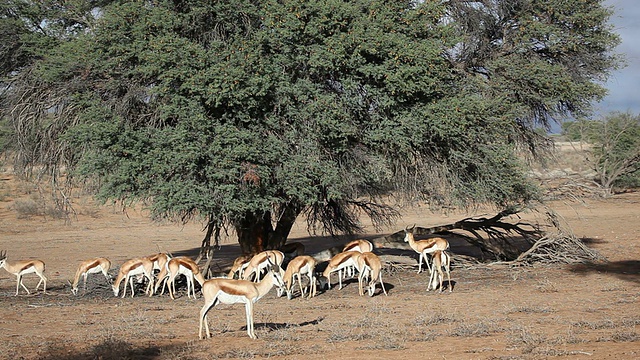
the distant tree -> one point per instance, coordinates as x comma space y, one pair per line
254, 113
616, 148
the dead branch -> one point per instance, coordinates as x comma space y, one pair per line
511, 242
493, 235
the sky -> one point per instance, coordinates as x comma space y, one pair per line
624, 84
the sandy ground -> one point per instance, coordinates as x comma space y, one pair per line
575, 312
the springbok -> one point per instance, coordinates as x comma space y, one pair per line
180, 265
260, 261
369, 266
23, 267
298, 266
91, 266
440, 259
424, 247
134, 267
232, 291
238, 267
339, 262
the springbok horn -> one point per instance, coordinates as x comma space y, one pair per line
407, 229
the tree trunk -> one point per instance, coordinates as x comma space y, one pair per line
288, 215
205, 248
256, 232
253, 232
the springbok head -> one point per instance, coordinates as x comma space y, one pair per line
408, 232
276, 272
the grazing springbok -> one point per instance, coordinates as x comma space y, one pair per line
232, 291
359, 245
369, 266
160, 261
180, 265
238, 267
91, 266
134, 267
22, 267
424, 247
440, 259
260, 262
298, 266
339, 262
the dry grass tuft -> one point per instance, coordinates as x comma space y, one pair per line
547, 286
475, 329
435, 318
528, 309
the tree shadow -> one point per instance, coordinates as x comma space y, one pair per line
316, 244
628, 270
225, 255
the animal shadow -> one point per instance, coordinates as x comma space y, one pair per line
279, 326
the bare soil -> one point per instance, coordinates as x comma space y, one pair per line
573, 311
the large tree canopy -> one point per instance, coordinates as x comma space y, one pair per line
252, 113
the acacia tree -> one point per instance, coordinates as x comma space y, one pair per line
256, 113
616, 148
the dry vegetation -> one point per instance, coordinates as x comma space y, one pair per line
531, 311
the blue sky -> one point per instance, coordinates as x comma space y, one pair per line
624, 84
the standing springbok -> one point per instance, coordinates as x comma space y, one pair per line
160, 261
231, 291
23, 267
238, 267
359, 245
424, 247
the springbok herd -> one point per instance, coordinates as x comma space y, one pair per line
250, 278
